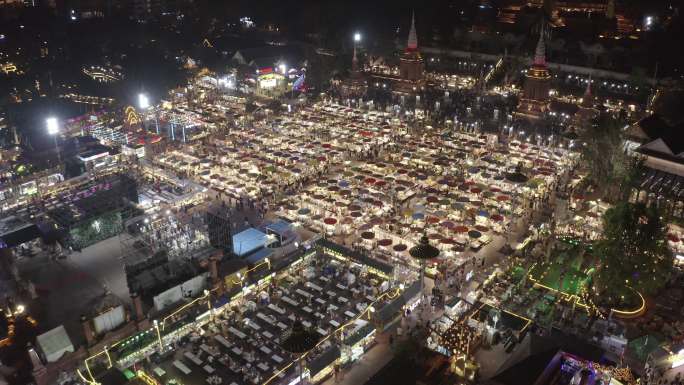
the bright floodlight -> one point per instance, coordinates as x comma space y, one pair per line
357, 37
52, 125
143, 101
283, 68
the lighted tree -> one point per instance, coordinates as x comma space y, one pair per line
604, 155
632, 253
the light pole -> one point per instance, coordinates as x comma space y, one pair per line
53, 130
357, 40
144, 104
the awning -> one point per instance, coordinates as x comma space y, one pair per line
324, 360
358, 257
360, 334
390, 310
55, 343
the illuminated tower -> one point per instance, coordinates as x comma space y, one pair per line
411, 64
535, 99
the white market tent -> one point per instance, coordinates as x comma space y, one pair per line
55, 343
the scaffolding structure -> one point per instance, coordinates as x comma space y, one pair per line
179, 236
93, 211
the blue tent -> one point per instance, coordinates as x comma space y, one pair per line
247, 241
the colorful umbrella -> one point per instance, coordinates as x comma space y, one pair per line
368, 235
400, 247
385, 242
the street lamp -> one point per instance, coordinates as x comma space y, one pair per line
52, 125
53, 130
282, 67
357, 39
143, 101
159, 339
144, 104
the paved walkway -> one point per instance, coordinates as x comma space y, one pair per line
369, 364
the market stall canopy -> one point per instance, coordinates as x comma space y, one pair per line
55, 343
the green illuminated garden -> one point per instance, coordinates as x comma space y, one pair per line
567, 272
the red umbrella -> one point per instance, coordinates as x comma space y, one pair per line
447, 241
385, 242
496, 218
461, 229
376, 221
672, 238
354, 207
330, 221
355, 214
481, 228
502, 198
370, 180
475, 190
432, 220
400, 247
432, 199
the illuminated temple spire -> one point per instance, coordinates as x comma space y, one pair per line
412, 37
540, 52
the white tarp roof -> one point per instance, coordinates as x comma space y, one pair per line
55, 343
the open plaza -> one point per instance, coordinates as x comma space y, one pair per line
289, 207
